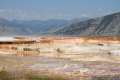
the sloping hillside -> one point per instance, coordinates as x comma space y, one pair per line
106, 25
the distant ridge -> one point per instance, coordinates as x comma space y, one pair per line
33, 27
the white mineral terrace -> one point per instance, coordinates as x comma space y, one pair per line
2, 39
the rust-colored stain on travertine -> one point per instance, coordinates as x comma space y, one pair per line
52, 44
95, 40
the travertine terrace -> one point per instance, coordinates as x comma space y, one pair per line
67, 47
73, 56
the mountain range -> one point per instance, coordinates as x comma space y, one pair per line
33, 27
108, 25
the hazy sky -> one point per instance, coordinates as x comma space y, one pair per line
56, 9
